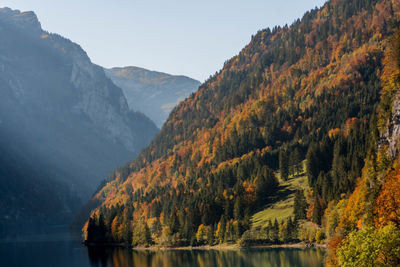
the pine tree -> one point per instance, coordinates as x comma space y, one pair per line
229, 232
237, 209
284, 164
293, 229
91, 230
313, 164
210, 235
174, 223
220, 232
317, 213
292, 164
101, 233
296, 158
270, 226
300, 205
275, 232
264, 183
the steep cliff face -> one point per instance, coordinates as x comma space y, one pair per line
60, 116
107, 109
153, 93
391, 136
81, 85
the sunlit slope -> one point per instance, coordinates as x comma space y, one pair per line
291, 88
281, 205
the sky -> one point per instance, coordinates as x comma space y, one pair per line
181, 37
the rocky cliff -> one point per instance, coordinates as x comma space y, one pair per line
60, 116
391, 135
153, 93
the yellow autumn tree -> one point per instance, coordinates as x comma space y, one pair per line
387, 207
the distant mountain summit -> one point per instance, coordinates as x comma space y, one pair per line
22, 20
61, 119
153, 93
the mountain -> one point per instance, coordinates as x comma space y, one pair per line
62, 120
297, 99
153, 93
31, 199
364, 228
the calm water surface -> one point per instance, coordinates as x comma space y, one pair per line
62, 250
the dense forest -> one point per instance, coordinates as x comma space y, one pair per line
318, 92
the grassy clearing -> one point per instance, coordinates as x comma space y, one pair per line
281, 205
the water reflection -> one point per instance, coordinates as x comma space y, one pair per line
120, 257
63, 251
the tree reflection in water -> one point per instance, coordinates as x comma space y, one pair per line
121, 257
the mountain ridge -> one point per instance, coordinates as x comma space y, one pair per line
307, 91
61, 117
150, 92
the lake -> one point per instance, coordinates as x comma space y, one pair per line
63, 251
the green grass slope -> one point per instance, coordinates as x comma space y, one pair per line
281, 206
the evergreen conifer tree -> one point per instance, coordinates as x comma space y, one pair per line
284, 164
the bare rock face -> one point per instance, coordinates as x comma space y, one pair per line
24, 20
153, 93
391, 135
62, 121
54, 67
95, 101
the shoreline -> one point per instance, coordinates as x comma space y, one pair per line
215, 247
230, 247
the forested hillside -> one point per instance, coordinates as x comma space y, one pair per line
363, 229
302, 92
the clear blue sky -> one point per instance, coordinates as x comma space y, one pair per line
187, 37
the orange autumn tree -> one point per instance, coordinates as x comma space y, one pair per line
352, 217
387, 208
285, 90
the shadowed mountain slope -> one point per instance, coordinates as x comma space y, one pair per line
61, 119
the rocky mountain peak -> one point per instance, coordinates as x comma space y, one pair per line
66, 108
153, 93
24, 20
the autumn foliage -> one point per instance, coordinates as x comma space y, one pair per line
388, 202
307, 91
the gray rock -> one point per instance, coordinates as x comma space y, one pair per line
391, 136
64, 124
153, 93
